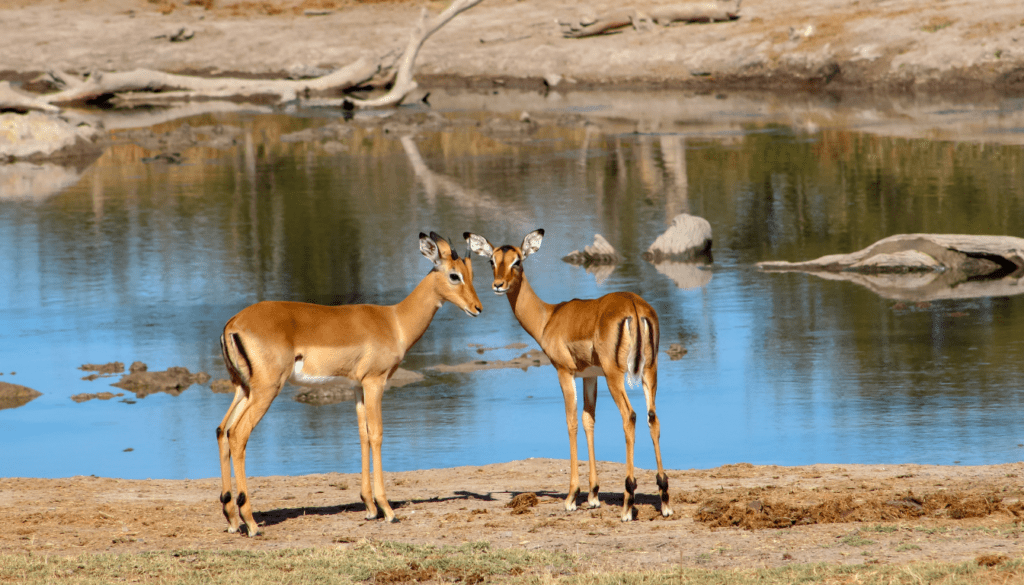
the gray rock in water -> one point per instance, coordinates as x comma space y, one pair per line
687, 239
600, 252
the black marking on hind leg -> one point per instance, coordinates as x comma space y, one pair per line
663, 482
241, 499
225, 498
220, 432
630, 486
632, 417
651, 417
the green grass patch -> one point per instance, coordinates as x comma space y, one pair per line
375, 562
470, 564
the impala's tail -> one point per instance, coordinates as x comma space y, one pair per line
642, 346
236, 359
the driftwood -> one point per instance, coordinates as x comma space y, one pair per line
925, 267
145, 86
589, 26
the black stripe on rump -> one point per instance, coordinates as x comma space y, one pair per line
244, 354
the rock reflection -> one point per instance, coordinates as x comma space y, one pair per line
35, 181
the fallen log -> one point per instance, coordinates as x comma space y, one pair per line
640, 19
925, 267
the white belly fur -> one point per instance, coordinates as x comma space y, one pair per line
298, 377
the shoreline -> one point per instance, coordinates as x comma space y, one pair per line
915, 47
876, 503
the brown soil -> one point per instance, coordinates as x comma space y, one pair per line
732, 516
953, 46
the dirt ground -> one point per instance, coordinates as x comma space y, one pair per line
950, 46
821, 513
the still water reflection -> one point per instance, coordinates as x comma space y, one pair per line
145, 260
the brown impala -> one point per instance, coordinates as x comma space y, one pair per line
272, 342
615, 336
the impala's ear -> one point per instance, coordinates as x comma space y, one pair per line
479, 244
531, 243
444, 247
429, 249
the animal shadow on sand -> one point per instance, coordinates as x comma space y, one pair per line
274, 517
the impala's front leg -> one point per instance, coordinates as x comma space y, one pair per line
365, 491
374, 392
589, 415
568, 383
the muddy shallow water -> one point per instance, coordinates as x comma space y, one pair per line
148, 251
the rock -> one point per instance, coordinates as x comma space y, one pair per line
39, 136
687, 239
676, 351
98, 396
100, 370
532, 358
346, 390
600, 252
222, 387
13, 395
173, 381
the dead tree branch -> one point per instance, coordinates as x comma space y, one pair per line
639, 19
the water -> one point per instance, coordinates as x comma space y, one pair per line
146, 261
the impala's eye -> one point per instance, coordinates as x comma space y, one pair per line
454, 277
514, 264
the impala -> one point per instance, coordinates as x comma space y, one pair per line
272, 342
615, 336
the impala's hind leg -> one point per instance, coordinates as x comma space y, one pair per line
255, 406
230, 418
617, 387
650, 390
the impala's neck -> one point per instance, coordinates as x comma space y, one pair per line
529, 309
415, 312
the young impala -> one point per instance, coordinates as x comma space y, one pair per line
271, 342
615, 336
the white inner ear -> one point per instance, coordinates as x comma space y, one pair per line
429, 249
479, 245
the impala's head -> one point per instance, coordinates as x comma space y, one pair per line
507, 261
455, 275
